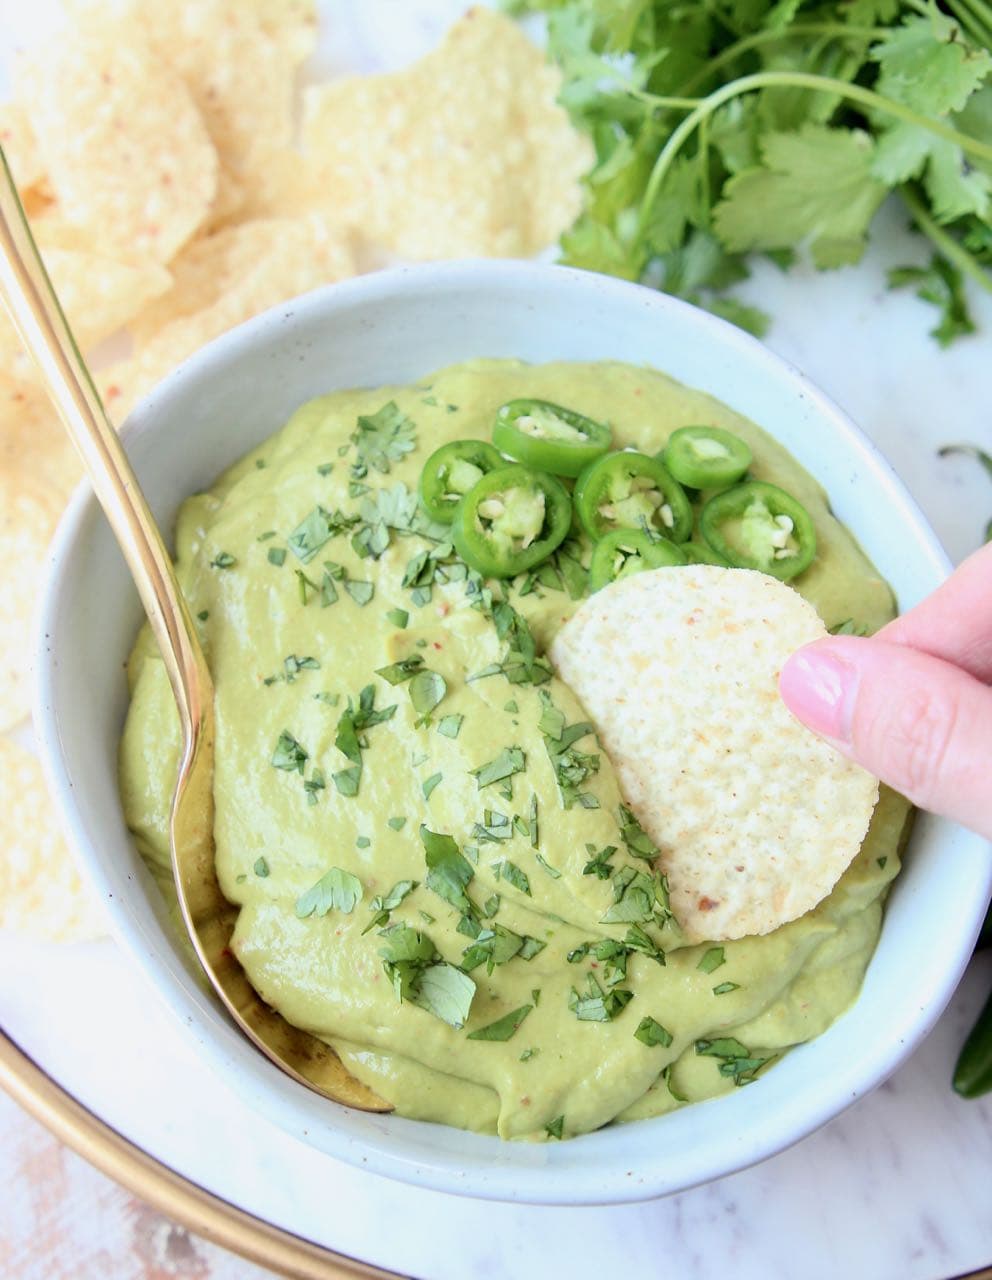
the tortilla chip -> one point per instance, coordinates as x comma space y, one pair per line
38, 471
41, 894
20, 146
125, 148
100, 295
225, 279
466, 152
756, 817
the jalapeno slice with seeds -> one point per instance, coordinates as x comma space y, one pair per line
628, 551
706, 457
548, 436
759, 526
629, 490
510, 521
451, 471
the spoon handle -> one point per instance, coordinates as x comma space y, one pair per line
30, 299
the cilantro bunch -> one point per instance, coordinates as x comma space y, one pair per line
724, 127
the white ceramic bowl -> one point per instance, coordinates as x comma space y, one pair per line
396, 327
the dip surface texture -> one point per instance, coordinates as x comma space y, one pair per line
302, 565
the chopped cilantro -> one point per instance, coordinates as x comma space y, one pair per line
599, 865
289, 755
381, 439
736, 1060
571, 767
511, 873
652, 1033
598, 1005
553, 872
398, 617
711, 959
314, 784
261, 868
277, 556
336, 890
556, 1127
510, 760
383, 903
293, 665
203, 615
528, 1054
722, 988
448, 872
353, 721
503, 1028
491, 947
397, 824
512, 706
427, 689
635, 896
634, 837
405, 669
361, 592
450, 726
325, 468
666, 1075
223, 560
495, 826
362, 842
316, 529
429, 785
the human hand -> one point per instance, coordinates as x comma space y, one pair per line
913, 704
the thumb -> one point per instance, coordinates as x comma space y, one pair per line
915, 721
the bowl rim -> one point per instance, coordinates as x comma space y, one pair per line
551, 1181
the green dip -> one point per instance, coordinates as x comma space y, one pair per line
298, 609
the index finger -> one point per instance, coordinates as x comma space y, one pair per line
954, 622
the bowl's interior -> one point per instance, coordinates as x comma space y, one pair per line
396, 327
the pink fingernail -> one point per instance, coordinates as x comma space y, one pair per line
819, 687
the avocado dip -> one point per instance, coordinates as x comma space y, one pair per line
435, 870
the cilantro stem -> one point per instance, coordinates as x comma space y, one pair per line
732, 51
976, 18
793, 80
943, 241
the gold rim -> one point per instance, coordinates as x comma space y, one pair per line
198, 1210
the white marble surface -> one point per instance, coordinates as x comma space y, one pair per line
897, 1187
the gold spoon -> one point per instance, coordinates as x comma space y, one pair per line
208, 916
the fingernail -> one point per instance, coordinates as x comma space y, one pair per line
819, 687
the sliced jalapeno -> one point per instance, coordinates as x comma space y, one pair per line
759, 526
511, 520
973, 1069
548, 436
706, 457
702, 553
627, 551
451, 471
629, 490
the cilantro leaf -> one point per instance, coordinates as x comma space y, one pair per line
336, 890
503, 1028
446, 992
816, 184
652, 1033
381, 439
511, 760
448, 872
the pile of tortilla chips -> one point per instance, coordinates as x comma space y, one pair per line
177, 186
